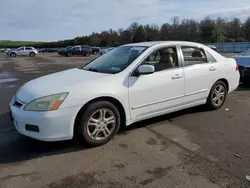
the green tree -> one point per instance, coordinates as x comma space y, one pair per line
139, 35
152, 32
247, 29
207, 27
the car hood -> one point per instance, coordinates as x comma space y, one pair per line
242, 60
56, 83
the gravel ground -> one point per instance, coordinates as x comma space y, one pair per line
193, 148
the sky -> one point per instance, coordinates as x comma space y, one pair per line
52, 20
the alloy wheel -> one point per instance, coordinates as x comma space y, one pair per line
101, 124
218, 95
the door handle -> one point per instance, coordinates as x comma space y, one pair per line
212, 68
177, 76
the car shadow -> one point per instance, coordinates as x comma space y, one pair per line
164, 118
15, 148
243, 87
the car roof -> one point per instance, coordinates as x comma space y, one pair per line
152, 43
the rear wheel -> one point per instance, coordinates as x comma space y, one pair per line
98, 124
69, 54
87, 54
13, 54
32, 54
217, 95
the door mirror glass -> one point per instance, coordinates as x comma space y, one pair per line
146, 69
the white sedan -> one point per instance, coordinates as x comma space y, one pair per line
131, 83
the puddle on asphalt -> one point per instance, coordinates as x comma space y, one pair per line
8, 80
6, 77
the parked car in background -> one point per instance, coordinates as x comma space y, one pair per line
23, 51
131, 83
5, 50
82, 50
243, 60
212, 47
105, 50
48, 50
96, 50
63, 50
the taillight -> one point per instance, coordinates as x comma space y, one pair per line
237, 67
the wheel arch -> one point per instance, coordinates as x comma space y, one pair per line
112, 100
225, 81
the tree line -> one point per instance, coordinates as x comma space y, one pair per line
205, 31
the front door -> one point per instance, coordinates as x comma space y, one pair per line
157, 93
201, 72
20, 51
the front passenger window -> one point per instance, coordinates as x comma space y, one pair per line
162, 59
193, 55
20, 49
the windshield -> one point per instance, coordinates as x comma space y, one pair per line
115, 60
247, 52
68, 47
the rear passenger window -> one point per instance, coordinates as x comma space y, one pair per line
210, 58
193, 55
28, 48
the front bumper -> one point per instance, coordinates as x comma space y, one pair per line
50, 126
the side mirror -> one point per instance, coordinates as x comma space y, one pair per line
146, 69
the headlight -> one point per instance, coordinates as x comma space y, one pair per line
47, 103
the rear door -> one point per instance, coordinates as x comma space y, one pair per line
83, 50
201, 71
27, 50
77, 50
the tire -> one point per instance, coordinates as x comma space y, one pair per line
212, 102
96, 127
69, 54
94, 52
32, 54
13, 54
87, 54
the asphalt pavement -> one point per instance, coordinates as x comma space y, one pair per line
193, 148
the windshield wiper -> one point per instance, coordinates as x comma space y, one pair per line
92, 69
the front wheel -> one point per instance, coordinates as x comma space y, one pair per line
32, 54
13, 54
217, 95
98, 124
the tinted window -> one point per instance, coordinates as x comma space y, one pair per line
193, 55
162, 59
86, 48
77, 48
28, 48
116, 60
20, 49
